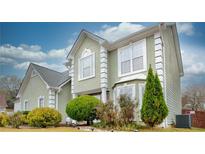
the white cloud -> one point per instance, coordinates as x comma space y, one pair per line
112, 33
185, 28
193, 63
195, 69
4, 60
56, 53
29, 53
22, 66
31, 47
21, 56
23, 52
53, 66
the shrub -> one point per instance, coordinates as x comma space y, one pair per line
154, 109
82, 108
16, 120
25, 112
107, 113
4, 120
127, 109
24, 116
160, 105
44, 117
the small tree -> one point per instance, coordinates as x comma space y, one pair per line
107, 113
127, 109
82, 108
154, 109
160, 105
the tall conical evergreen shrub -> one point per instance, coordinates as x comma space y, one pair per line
148, 99
161, 107
154, 109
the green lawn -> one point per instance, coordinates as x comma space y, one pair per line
171, 129
71, 129
56, 129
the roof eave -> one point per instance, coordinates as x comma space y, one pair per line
179, 57
145, 32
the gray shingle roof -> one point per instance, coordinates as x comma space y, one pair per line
51, 77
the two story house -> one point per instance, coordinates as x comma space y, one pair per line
108, 69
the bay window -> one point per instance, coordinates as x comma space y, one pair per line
132, 58
141, 94
128, 90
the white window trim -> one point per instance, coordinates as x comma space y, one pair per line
39, 101
127, 85
91, 76
24, 105
144, 60
140, 85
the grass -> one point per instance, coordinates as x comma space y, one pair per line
71, 129
171, 129
56, 129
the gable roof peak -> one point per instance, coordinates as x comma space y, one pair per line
83, 34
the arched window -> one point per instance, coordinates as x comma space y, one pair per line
87, 64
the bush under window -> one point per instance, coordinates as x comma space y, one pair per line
4, 119
44, 117
16, 120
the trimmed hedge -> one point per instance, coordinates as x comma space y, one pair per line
83, 108
44, 117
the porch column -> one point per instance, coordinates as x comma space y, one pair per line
73, 95
160, 66
72, 77
104, 95
159, 61
103, 74
51, 99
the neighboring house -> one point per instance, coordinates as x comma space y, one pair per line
108, 69
191, 103
3, 104
42, 87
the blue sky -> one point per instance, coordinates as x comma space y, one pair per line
45, 44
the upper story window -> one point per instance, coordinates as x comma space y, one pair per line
132, 58
87, 65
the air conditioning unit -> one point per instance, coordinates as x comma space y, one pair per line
183, 121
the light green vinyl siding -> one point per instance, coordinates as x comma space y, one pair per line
173, 88
63, 97
92, 83
35, 88
113, 63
